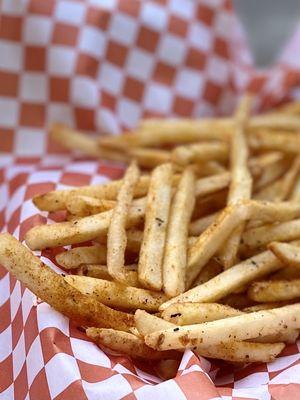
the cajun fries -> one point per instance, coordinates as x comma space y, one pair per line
203, 230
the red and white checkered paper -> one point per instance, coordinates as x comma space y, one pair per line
101, 65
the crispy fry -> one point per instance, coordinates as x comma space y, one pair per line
231, 351
196, 313
211, 240
175, 254
274, 290
116, 236
156, 222
241, 327
77, 231
127, 343
229, 280
82, 206
101, 272
283, 141
241, 181
190, 153
212, 184
74, 258
289, 254
275, 121
116, 294
53, 289
261, 236
149, 158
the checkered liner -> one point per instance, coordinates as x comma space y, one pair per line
102, 65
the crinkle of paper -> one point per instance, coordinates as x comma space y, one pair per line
101, 66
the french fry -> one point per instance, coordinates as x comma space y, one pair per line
275, 121
212, 238
212, 184
175, 254
127, 343
266, 291
101, 272
287, 336
77, 231
116, 236
190, 153
267, 211
289, 254
271, 171
287, 142
201, 224
149, 158
240, 187
261, 236
230, 351
115, 294
209, 271
266, 306
196, 313
156, 222
53, 289
74, 258
241, 327
229, 280
75, 140
82, 206
286, 273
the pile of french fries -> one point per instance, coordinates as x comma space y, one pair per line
196, 247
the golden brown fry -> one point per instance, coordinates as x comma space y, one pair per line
82, 206
200, 152
230, 351
229, 280
175, 254
74, 258
271, 171
201, 224
77, 231
116, 294
266, 291
196, 313
241, 327
286, 273
156, 222
149, 158
116, 235
269, 140
212, 239
240, 187
127, 343
275, 121
53, 289
212, 184
101, 272
261, 236
288, 253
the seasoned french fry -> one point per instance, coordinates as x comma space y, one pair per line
261, 236
266, 291
241, 327
127, 343
82, 206
286, 273
175, 254
283, 141
271, 171
101, 272
240, 187
267, 211
211, 240
77, 231
275, 121
230, 351
196, 313
53, 289
116, 294
149, 158
212, 184
156, 222
289, 254
209, 271
229, 280
190, 153
116, 236
74, 258
201, 224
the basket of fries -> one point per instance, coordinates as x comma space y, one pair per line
179, 275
